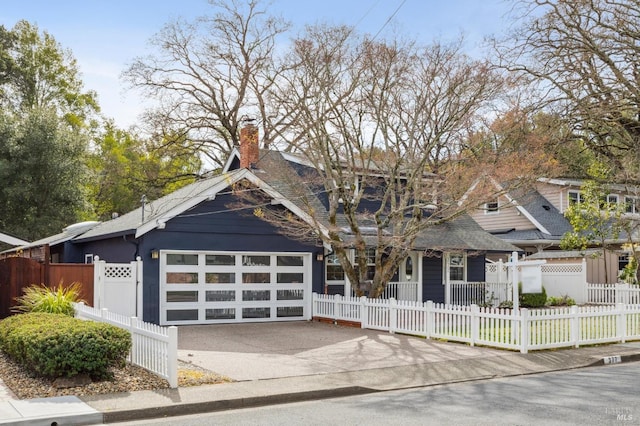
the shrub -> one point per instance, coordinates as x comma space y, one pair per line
39, 298
56, 345
532, 300
561, 301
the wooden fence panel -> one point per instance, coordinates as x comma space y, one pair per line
68, 273
17, 273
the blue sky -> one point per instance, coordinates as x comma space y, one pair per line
105, 35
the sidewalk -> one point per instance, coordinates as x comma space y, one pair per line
434, 363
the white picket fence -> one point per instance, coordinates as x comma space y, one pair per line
153, 347
607, 294
522, 330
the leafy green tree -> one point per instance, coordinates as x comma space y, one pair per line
42, 74
45, 121
42, 173
595, 221
125, 167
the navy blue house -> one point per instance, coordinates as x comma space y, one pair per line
207, 261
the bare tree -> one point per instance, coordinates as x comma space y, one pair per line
383, 128
206, 75
581, 56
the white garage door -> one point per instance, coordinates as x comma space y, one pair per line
224, 287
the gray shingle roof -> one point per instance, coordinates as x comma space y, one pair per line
545, 213
463, 233
283, 176
156, 210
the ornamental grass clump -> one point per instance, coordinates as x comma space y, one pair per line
39, 298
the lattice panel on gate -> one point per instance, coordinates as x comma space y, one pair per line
560, 268
118, 271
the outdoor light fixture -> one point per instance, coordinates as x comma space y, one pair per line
155, 254
319, 256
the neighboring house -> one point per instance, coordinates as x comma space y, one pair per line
11, 240
525, 219
534, 221
207, 261
54, 248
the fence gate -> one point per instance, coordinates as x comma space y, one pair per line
118, 286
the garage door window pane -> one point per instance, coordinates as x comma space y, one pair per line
220, 259
182, 277
182, 296
290, 294
213, 314
290, 261
221, 296
256, 295
290, 278
290, 311
220, 277
182, 259
256, 277
256, 260
182, 315
256, 312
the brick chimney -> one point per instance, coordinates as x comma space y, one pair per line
249, 145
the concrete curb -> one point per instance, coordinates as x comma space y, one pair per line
617, 359
232, 404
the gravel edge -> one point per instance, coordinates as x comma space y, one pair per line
26, 385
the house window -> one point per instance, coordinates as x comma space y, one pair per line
608, 201
370, 253
492, 207
631, 205
457, 264
408, 268
334, 270
575, 197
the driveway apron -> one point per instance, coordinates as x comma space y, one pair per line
254, 351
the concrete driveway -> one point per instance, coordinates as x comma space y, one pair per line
286, 349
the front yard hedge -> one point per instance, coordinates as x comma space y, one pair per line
56, 345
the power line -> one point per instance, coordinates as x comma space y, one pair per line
389, 19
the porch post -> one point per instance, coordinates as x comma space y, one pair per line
419, 276
447, 284
514, 281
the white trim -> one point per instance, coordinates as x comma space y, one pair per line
191, 202
232, 155
210, 194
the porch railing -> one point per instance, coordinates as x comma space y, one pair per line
480, 293
406, 290
399, 290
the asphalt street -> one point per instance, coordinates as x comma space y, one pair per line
603, 395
